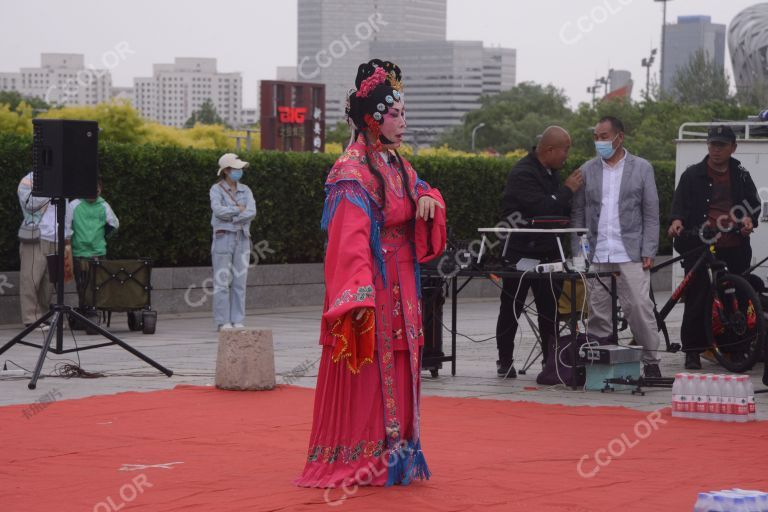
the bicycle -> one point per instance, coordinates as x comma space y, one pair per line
735, 329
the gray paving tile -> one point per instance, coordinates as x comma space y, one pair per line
187, 344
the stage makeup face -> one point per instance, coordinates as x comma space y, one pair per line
393, 125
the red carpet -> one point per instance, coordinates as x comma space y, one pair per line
240, 451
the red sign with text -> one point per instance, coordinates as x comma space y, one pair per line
292, 115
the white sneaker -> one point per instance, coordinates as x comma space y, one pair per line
238, 326
225, 326
45, 327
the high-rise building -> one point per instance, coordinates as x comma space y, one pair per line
684, 39
61, 79
175, 91
443, 80
334, 37
748, 45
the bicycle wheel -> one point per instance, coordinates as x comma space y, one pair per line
735, 327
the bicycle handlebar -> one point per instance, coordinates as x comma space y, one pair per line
709, 233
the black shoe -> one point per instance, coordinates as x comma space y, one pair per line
692, 361
652, 371
505, 369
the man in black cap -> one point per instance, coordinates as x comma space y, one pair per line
717, 192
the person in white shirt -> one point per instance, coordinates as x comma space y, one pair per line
619, 205
37, 239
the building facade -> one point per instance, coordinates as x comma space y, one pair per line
748, 45
684, 39
444, 80
175, 91
62, 79
334, 37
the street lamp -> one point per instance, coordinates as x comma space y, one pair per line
598, 82
647, 63
603, 81
663, 48
593, 90
474, 131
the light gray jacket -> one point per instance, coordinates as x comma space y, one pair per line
638, 207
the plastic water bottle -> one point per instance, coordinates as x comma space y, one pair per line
751, 502
684, 395
703, 503
741, 406
688, 396
752, 414
738, 505
584, 244
762, 502
700, 400
713, 398
677, 392
727, 399
719, 503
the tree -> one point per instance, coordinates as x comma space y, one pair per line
754, 96
339, 134
13, 99
701, 81
512, 118
118, 120
206, 114
583, 121
17, 120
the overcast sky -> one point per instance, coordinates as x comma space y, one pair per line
255, 36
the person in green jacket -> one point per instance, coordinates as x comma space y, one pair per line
92, 222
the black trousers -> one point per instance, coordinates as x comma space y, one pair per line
693, 331
512, 304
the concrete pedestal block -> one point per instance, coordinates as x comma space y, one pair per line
246, 360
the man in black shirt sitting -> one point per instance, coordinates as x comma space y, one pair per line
533, 189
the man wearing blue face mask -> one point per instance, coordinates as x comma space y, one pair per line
619, 206
233, 210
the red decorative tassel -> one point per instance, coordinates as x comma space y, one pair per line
374, 129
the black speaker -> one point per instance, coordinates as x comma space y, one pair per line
433, 300
65, 158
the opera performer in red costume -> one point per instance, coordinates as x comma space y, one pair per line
382, 221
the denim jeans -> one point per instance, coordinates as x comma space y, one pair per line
230, 253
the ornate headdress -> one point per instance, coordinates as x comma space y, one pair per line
378, 86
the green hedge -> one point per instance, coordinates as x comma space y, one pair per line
160, 195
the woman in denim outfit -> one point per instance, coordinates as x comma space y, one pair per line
233, 210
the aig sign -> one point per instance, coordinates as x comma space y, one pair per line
292, 115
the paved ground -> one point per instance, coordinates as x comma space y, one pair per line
187, 344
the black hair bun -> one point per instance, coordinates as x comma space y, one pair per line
367, 69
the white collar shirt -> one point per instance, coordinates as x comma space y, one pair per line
609, 247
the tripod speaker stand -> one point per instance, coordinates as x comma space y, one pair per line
45, 162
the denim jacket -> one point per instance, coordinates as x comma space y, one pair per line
226, 214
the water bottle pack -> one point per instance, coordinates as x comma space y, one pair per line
732, 500
729, 398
